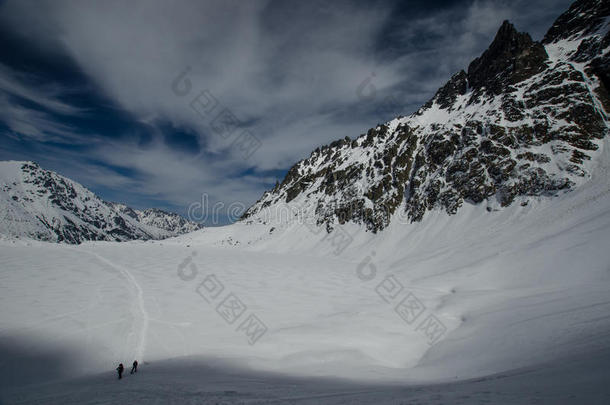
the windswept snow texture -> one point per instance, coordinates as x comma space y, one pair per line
43, 205
518, 290
498, 303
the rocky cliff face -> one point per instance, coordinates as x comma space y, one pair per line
43, 205
525, 120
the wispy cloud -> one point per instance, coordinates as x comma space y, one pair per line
289, 71
29, 87
27, 107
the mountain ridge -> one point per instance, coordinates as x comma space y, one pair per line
525, 120
44, 205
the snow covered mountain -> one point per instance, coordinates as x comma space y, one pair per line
158, 218
526, 120
517, 289
43, 205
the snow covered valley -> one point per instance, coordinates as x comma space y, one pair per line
507, 306
456, 255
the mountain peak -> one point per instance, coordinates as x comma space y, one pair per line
512, 57
507, 30
44, 205
518, 124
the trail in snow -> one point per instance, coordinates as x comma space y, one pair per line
139, 296
515, 288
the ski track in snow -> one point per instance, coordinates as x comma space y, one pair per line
139, 297
517, 289
544, 271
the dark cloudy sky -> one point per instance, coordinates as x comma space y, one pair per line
92, 89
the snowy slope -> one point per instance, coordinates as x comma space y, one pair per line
519, 294
41, 204
521, 287
570, 380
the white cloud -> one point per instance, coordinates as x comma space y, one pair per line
288, 70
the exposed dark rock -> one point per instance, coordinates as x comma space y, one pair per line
582, 18
511, 58
521, 105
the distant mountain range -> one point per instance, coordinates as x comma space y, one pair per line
526, 120
41, 204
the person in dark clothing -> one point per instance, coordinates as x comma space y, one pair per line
120, 369
134, 367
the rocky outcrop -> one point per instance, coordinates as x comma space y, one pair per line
525, 120
584, 18
511, 58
